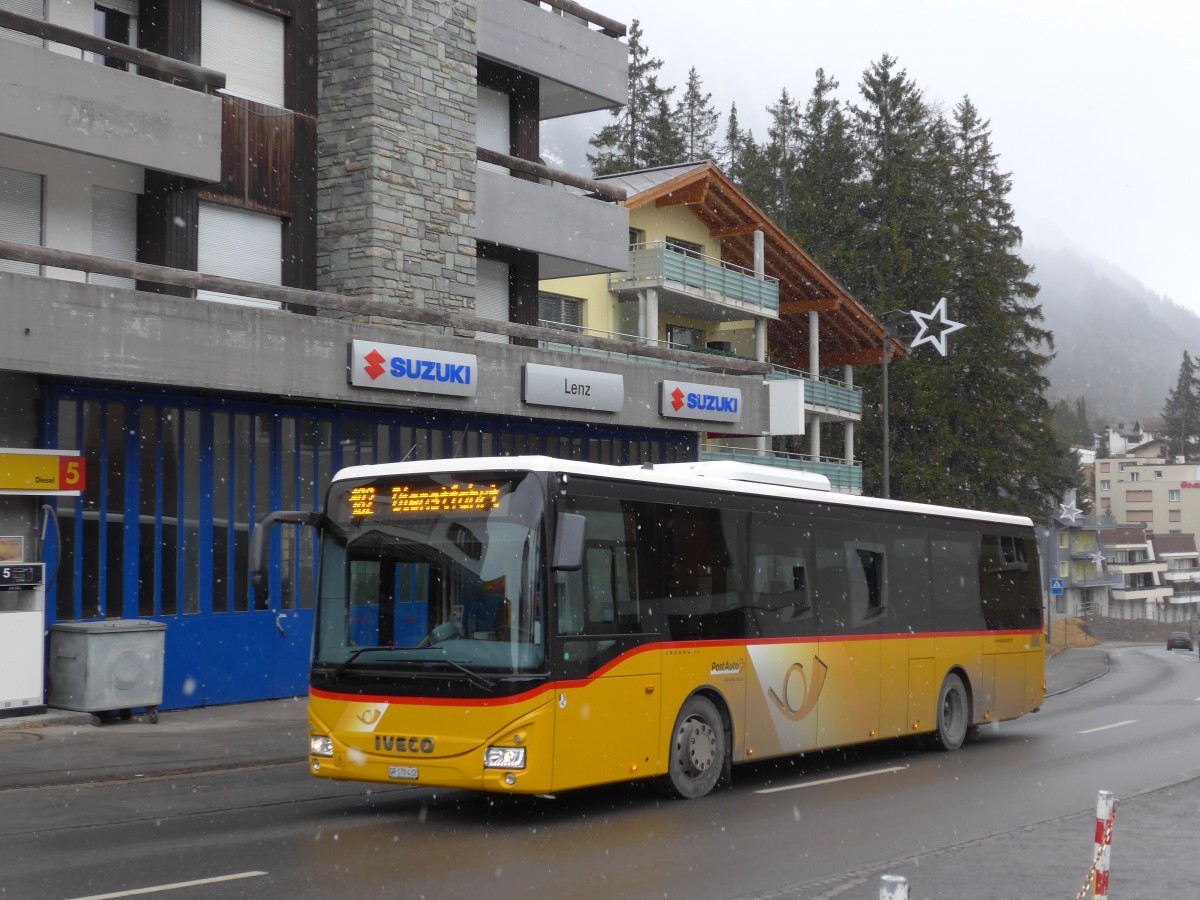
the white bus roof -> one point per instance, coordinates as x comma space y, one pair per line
728, 476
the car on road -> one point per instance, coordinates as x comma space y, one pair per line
1177, 640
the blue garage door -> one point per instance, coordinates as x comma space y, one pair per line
175, 485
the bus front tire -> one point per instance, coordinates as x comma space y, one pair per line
698, 750
953, 715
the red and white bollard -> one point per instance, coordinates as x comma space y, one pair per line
1106, 812
893, 887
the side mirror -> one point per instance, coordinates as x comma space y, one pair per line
258, 540
568, 542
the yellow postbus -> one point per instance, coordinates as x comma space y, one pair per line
531, 625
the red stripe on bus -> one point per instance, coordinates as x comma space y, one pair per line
636, 651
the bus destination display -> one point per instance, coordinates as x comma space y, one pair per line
407, 500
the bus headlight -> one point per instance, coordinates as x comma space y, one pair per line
320, 745
504, 758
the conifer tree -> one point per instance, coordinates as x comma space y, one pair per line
825, 190
730, 154
664, 144
782, 155
621, 144
696, 121
1181, 412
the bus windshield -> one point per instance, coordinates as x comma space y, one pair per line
436, 570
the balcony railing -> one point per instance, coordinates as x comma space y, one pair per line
538, 171
702, 358
820, 391
610, 27
381, 312
703, 277
176, 71
844, 477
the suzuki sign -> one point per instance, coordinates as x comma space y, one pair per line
399, 368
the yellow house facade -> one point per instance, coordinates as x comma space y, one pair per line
710, 272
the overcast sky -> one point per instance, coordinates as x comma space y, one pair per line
1094, 106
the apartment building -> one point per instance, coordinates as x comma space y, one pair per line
708, 271
217, 218
1149, 489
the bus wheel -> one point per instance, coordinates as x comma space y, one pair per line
953, 715
697, 750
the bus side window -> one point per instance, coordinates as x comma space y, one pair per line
598, 580
868, 583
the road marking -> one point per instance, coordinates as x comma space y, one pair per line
173, 887
1106, 727
808, 784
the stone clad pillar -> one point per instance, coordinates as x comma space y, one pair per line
396, 151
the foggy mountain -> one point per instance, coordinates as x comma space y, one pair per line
1117, 343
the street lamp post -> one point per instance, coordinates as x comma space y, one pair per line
890, 320
933, 328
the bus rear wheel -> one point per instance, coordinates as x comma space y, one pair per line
953, 715
698, 750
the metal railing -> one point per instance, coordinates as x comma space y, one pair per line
822, 391
178, 72
714, 279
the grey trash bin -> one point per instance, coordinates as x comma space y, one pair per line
107, 665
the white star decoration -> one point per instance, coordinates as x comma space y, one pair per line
1098, 561
1068, 512
947, 327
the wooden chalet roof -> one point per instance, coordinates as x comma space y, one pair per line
849, 334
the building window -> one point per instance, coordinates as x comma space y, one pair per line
20, 215
637, 237
492, 124
1145, 516
1105, 484
238, 243
31, 9
681, 338
1174, 515
1134, 476
1158, 473
247, 45
559, 312
114, 231
116, 21
1104, 467
1139, 497
685, 247
491, 296
1173, 496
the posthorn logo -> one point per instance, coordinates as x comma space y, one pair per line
374, 366
677, 399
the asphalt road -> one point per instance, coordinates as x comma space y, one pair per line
1010, 816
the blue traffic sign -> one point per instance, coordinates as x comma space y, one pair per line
1056, 586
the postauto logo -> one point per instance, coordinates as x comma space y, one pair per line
681, 400
400, 368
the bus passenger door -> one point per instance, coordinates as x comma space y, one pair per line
608, 705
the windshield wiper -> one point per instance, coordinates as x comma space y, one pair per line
341, 667
474, 677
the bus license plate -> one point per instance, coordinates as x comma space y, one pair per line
408, 773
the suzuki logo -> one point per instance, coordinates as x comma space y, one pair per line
375, 369
677, 399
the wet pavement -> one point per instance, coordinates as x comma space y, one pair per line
62, 747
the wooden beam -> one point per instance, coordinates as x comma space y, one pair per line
798, 307
380, 312
734, 230
691, 194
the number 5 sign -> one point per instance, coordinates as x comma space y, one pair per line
57, 472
